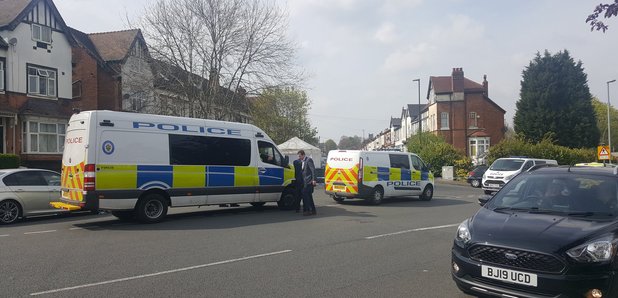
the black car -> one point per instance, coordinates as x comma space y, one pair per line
475, 176
551, 232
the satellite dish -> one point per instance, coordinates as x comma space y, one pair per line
13, 41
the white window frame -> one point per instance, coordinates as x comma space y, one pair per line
1, 75
39, 32
32, 134
43, 75
444, 121
475, 143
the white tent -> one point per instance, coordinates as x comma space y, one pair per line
290, 148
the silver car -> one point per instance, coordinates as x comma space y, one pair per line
27, 192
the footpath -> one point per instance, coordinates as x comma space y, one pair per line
461, 181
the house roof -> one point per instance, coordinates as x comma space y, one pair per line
395, 122
415, 109
11, 9
114, 46
444, 84
84, 41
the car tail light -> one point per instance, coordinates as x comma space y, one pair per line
89, 177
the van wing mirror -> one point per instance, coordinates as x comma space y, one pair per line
286, 161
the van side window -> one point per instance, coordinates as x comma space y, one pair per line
399, 161
269, 153
417, 163
201, 150
527, 165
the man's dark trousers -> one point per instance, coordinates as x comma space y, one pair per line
308, 205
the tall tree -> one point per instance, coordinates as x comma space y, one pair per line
555, 99
241, 45
330, 145
282, 114
350, 143
611, 10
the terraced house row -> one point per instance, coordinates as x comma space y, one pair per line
48, 70
456, 108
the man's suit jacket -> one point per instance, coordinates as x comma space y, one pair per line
308, 170
298, 172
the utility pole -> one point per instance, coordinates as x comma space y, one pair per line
420, 122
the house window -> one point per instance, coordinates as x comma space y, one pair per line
41, 33
41, 81
473, 120
1, 75
444, 121
41, 137
478, 149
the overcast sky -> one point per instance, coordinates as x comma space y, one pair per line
362, 55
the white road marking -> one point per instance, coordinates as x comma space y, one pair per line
39, 232
410, 231
332, 205
160, 273
7, 235
76, 228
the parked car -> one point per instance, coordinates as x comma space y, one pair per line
549, 232
475, 177
27, 192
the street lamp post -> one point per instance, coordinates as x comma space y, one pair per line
609, 134
420, 125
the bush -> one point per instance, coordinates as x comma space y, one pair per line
546, 149
463, 167
436, 152
9, 161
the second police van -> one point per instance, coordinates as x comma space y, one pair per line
138, 165
374, 175
502, 170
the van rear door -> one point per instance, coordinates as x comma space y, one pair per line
341, 175
74, 159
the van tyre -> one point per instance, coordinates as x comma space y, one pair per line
338, 199
10, 211
427, 194
151, 208
124, 215
376, 196
287, 200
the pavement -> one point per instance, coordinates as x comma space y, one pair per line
459, 181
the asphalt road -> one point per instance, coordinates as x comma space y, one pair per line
398, 249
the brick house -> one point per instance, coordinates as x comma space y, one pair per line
35, 81
461, 111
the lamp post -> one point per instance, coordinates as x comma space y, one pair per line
420, 125
609, 134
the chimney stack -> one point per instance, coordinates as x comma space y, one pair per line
486, 85
458, 80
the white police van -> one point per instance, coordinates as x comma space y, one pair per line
374, 175
138, 165
502, 170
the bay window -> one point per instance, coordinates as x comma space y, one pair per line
42, 137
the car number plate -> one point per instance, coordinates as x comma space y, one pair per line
494, 185
507, 275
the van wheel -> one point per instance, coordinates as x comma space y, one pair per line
257, 204
376, 196
124, 215
338, 199
151, 208
427, 194
287, 200
9, 212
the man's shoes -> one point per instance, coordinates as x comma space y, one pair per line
297, 210
306, 213
314, 212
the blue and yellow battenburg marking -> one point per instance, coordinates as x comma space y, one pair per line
180, 176
393, 174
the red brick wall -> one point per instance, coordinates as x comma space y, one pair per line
85, 70
109, 92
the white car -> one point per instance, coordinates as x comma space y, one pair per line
27, 192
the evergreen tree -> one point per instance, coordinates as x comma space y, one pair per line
555, 100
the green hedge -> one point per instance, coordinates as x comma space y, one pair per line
9, 161
545, 149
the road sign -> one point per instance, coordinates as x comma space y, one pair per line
603, 153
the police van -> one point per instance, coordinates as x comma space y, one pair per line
138, 165
374, 175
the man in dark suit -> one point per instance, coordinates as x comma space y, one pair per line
308, 173
298, 181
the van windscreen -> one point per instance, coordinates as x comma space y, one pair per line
506, 165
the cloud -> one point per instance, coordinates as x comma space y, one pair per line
386, 33
461, 30
411, 57
399, 6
